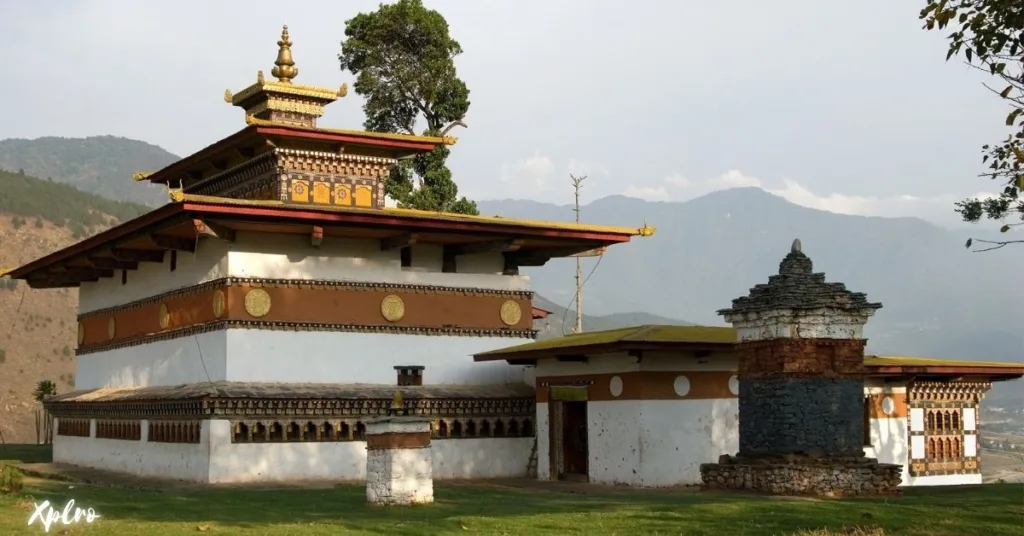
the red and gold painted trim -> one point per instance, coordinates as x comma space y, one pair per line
643, 385
309, 305
876, 406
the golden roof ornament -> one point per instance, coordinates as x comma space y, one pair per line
284, 69
227, 96
343, 90
646, 230
259, 78
396, 403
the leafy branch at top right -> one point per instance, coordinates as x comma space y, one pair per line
989, 35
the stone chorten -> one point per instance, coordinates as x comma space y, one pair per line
801, 388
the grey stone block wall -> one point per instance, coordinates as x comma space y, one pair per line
789, 416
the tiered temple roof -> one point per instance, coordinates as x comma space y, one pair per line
283, 173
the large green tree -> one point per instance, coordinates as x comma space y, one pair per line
989, 35
403, 59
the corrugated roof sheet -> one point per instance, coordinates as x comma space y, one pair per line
638, 334
292, 390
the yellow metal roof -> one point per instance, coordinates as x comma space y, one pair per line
902, 361
177, 196
710, 335
446, 140
637, 334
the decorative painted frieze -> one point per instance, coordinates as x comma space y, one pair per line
326, 306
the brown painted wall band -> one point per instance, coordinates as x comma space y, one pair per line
645, 385
317, 305
395, 440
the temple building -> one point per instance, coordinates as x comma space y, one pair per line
787, 388
247, 329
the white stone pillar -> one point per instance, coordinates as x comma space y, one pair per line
399, 465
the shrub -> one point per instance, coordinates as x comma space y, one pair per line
11, 480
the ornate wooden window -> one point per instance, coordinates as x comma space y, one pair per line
119, 429
943, 427
73, 427
174, 431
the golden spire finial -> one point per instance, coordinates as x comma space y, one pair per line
227, 96
284, 68
646, 230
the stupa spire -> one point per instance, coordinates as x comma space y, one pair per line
284, 68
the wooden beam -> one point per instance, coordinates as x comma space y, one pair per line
511, 265
194, 175
572, 358
219, 165
492, 246
112, 264
316, 236
174, 243
137, 255
398, 241
209, 229
246, 152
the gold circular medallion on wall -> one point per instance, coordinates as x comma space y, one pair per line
393, 308
510, 313
218, 303
257, 302
111, 329
81, 333
165, 316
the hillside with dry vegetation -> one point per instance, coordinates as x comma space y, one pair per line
38, 327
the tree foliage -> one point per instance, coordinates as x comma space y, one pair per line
404, 62
989, 35
44, 389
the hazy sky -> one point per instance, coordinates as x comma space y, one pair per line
840, 106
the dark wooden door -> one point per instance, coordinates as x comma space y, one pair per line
574, 438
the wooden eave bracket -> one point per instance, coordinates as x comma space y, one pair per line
207, 229
316, 236
398, 241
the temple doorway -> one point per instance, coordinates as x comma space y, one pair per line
569, 450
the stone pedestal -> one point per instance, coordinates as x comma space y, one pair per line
399, 465
801, 376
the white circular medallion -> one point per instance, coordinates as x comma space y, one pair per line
615, 386
681, 385
888, 405
734, 385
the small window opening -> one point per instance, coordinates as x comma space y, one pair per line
174, 260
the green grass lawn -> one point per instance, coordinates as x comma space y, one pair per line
989, 510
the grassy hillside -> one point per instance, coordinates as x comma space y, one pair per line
38, 327
98, 164
28, 199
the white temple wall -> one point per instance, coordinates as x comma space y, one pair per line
171, 460
193, 359
678, 436
208, 263
285, 256
336, 357
614, 431
215, 459
291, 257
267, 462
543, 428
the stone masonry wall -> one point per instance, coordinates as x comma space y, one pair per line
791, 416
826, 478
